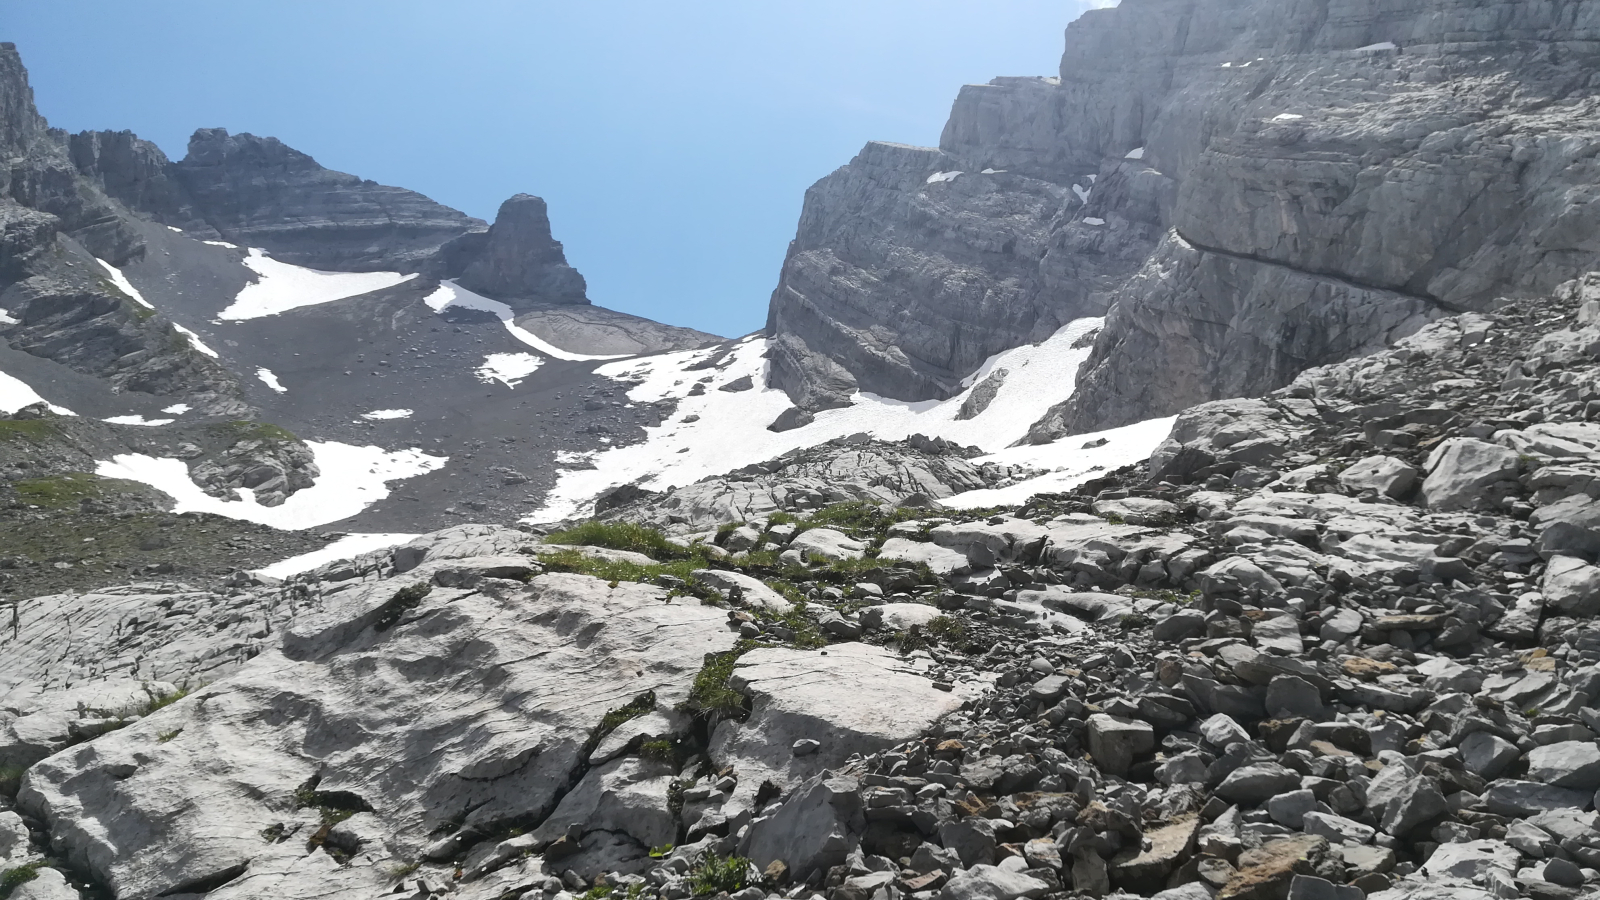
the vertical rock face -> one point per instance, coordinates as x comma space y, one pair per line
1294, 182
521, 261
261, 193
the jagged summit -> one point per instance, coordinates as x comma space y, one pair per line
520, 261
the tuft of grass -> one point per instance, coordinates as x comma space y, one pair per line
165, 736
716, 875
18, 876
616, 570
661, 852
160, 703
635, 708
710, 692
661, 749
947, 629
11, 779
403, 601
621, 536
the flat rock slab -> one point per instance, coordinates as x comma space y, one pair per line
470, 707
852, 698
754, 591
942, 560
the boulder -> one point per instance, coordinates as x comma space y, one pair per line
1571, 586
1566, 764
1388, 476
941, 560
827, 543
814, 829
753, 591
1114, 741
1255, 784
1461, 470
1519, 799
1471, 860
992, 883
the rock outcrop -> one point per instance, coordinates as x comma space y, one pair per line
520, 262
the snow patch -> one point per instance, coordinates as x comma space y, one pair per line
15, 394
1135, 153
7, 319
387, 414
508, 368
123, 285
1093, 220
731, 430
1379, 46
175, 228
137, 420
347, 547
282, 287
451, 294
1287, 117
221, 244
352, 479
941, 177
992, 172
1082, 192
270, 380
1074, 462
177, 409
194, 339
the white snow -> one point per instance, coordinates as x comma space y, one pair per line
177, 409
1093, 220
992, 172
732, 429
122, 283
1135, 153
137, 420
940, 177
270, 380
282, 287
1381, 45
451, 294
15, 394
7, 319
195, 340
508, 368
352, 479
221, 244
175, 228
1071, 461
387, 414
1083, 194
351, 545
1287, 117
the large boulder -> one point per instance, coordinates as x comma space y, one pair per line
1463, 473
455, 707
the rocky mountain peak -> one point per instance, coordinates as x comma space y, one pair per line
521, 262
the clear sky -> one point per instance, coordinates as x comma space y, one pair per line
673, 141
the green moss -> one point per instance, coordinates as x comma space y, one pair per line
160, 703
11, 779
622, 536
609, 722
710, 692
576, 562
662, 750
17, 877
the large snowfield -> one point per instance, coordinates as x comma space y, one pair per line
281, 286
731, 430
15, 394
352, 479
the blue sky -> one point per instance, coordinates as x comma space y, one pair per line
674, 141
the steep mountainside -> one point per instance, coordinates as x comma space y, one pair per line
1250, 188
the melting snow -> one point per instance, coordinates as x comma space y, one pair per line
137, 420
940, 177
177, 409
508, 368
1083, 195
387, 414
1135, 153
451, 294
7, 319
195, 340
282, 287
15, 394
351, 545
992, 172
1381, 45
1094, 220
1286, 117
172, 228
1124, 446
221, 244
732, 428
270, 380
122, 283
352, 479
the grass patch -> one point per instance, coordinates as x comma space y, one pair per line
33, 430
660, 750
576, 562
717, 875
17, 877
609, 722
621, 536
165, 736
710, 692
160, 703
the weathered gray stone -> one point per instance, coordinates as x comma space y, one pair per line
1114, 742
1461, 470
1567, 764
1388, 476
